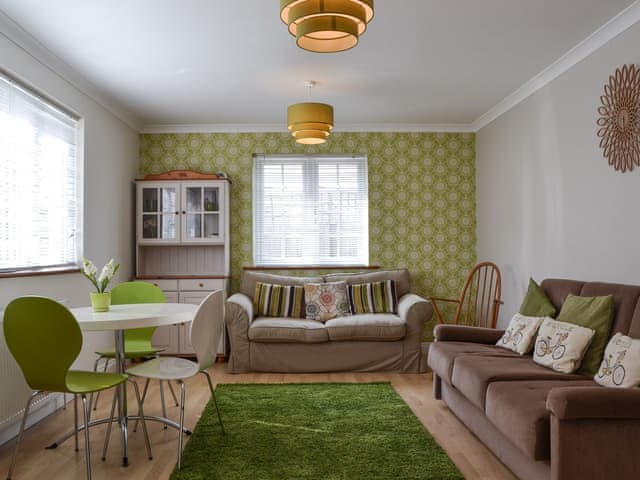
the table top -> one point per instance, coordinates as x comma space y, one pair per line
135, 315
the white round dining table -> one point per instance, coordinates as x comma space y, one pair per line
118, 319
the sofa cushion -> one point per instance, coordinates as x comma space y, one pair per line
325, 301
373, 327
520, 333
287, 330
250, 278
278, 300
401, 277
561, 345
620, 366
443, 354
376, 297
536, 303
595, 313
473, 374
518, 410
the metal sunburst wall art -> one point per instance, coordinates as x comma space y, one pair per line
619, 120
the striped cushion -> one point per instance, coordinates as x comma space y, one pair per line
278, 300
377, 297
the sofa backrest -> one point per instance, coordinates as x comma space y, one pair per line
626, 300
401, 276
251, 277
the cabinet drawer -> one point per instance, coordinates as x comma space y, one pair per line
166, 285
205, 284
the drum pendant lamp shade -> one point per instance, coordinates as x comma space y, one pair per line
310, 123
326, 25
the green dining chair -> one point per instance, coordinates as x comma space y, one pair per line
44, 338
137, 341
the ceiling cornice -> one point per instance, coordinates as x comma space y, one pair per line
614, 27
27, 43
273, 127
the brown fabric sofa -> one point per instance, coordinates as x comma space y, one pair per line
371, 342
540, 423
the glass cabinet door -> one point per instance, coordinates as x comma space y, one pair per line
202, 214
160, 213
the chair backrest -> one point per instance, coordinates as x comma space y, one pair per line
137, 292
206, 328
44, 338
480, 298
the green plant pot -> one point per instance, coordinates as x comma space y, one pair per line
100, 301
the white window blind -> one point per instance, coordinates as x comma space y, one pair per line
310, 210
40, 182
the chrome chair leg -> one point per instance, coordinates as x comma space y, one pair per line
75, 420
95, 369
24, 420
144, 395
87, 450
164, 408
215, 400
173, 394
108, 435
180, 434
141, 415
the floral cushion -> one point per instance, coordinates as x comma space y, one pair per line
561, 345
620, 366
520, 333
326, 300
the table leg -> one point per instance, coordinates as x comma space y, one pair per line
122, 395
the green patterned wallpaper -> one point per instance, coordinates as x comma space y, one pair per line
421, 194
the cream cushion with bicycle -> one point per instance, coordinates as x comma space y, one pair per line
561, 345
520, 333
620, 365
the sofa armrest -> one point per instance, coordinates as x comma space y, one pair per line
238, 315
574, 403
413, 308
464, 333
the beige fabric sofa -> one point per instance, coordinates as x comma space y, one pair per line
542, 424
371, 342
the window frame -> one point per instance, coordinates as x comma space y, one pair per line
311, 199
58, 109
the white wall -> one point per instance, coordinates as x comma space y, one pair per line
548, 203
110, 165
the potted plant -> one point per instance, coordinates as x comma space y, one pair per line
100, 299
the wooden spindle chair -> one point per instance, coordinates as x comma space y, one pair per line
479, 302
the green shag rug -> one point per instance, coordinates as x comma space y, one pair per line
326, 431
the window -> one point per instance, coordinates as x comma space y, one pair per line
40, 182
310, 210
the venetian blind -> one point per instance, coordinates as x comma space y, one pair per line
310, 210
40, 182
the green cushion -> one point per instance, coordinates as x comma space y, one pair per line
536, 303
595, 313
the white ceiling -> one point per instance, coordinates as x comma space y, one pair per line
233, 62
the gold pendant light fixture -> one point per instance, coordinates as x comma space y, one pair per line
310, 123
326, 25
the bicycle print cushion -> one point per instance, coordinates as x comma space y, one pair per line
561, 345
620, 366
520, 333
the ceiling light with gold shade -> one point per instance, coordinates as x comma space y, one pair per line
310, 123
326, 26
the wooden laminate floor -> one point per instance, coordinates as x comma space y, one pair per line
34, 462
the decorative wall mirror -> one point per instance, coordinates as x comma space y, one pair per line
619, 119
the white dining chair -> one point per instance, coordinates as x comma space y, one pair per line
206, 330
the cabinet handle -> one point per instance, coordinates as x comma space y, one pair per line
201, 285
177, 213
184, 212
